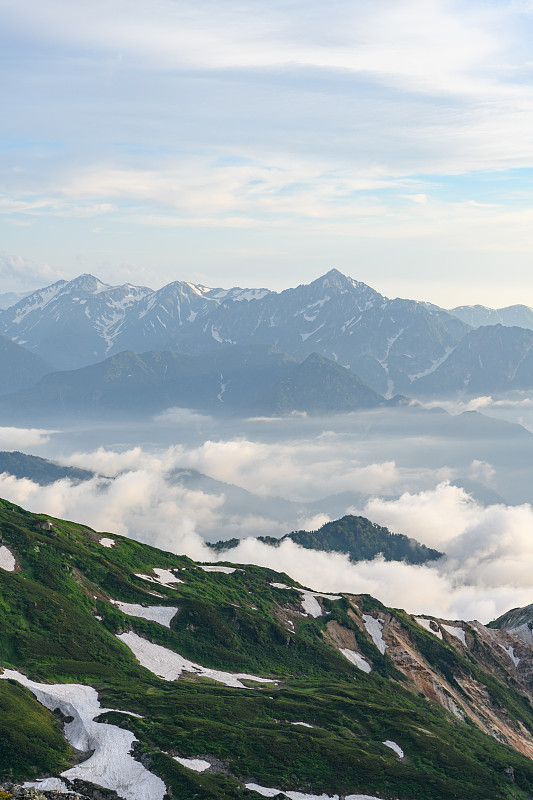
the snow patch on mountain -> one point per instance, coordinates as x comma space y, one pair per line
393, 746
310, 604
168, 665
7, 559
356, 659
454, 631
430, 626
196, 764
218, 568
374, 629
266, 791
164, 577
510, 653
161, 614
110, 766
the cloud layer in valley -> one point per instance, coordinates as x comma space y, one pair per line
489, 548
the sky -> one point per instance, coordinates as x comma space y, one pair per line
262, 144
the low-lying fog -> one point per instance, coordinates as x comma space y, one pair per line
459, 483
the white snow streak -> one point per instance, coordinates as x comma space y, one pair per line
357, 660
457, 632
426, 624
310, 604
165, 577
161, 614
169, 665
216, 568
7, 559
110, 764
48, 785
396, 747
374, 628
196, 764
510, 653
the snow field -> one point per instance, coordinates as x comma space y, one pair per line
374, 628
216, 568
161, 614
310, 604
110, 765
7, 559
426, 624
165, 577
196, 764
393, 746
356, 659
48, 785
510, 653
105, 542
169, 665
268, 792
457, 632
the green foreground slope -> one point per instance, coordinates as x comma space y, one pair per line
57, 625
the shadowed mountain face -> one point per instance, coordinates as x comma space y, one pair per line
18, 367
489, 359
39, 470
216, 681
235, 380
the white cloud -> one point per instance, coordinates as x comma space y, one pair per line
23, 438
20, 274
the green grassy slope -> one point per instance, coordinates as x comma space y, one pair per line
237, 622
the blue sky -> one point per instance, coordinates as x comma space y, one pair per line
264, 143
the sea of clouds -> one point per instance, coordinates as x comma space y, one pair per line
489, 548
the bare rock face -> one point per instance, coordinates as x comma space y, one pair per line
414, 646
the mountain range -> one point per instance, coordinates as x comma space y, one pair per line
394, 347
134, 673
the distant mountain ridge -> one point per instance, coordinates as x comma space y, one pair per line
388, 343
476, 316
356, 536
394, 346
243, 380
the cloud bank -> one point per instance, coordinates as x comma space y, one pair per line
489, 560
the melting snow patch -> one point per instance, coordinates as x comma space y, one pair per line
110, 764
216, 568
7, 559
169, 665
303, 724
265, 791
374, 628
457, 632
48, 785
310, 604
107, 542
357, 659
197, 764
427, 623
165, 577
161, 614
396, 747
510, 653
